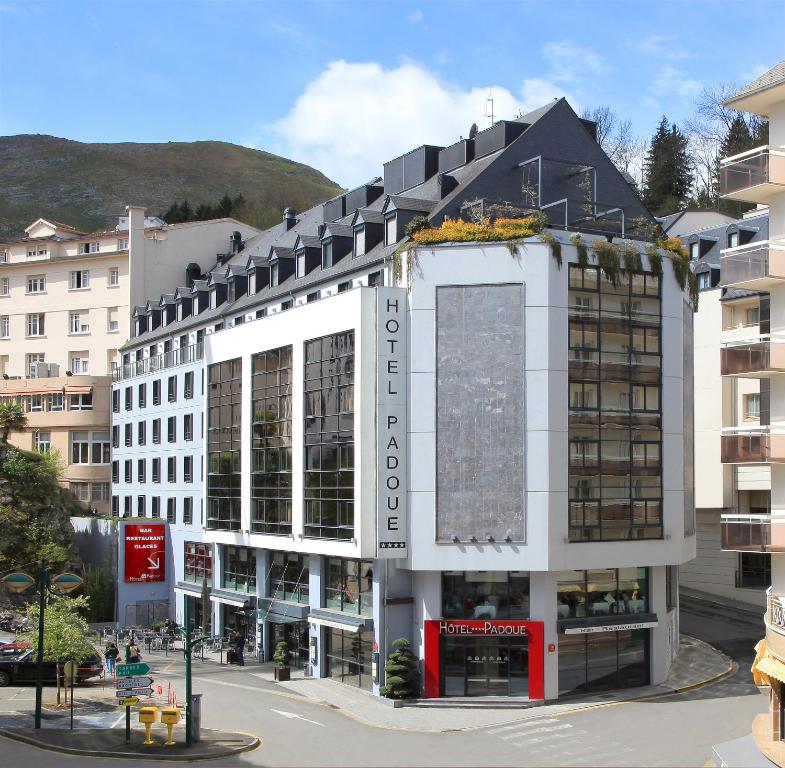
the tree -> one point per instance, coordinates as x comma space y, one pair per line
402, 678
617, 139
224, 207
667, 171
65, 632
12, 419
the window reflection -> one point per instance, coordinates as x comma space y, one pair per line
485, 595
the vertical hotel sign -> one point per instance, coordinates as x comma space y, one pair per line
391, 521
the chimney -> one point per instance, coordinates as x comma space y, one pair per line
288, 218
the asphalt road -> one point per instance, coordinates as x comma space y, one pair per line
676, 730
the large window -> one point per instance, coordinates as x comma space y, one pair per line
615, 412
485, 595
289, 577
35, 325
349, 657
349, 586
198, 559
90, 447
329, 437
754, 570
603, 592
224, 446
239, 568
271, 442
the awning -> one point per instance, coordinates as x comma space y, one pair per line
191, 591
33, 390
334, 624
772, 668
227, 600
78, 390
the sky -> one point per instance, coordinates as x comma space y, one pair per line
345, 86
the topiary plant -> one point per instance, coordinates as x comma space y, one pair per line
281, 655
401, 673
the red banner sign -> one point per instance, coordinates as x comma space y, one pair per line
145, 553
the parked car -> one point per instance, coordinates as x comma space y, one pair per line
13, 649
20, 669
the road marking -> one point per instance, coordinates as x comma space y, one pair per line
526, 735
538, 739
522, 724
291, 715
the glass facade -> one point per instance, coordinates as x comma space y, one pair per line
198, 562
224, 445
615, 413
289, 577
604, 592
329, 437
485, 595
602, 661
349, 586
349, 657
485, 666
271, 442
239, 569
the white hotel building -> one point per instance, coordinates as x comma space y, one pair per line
476, 446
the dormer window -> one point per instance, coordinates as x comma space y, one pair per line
704, 281
733, 239
89, 248
230, 291
213, 298
359, 241
274, 273
301, 263
327, 254
694, 250
251, 282
391, 230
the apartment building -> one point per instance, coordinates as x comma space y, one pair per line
65, 301
476, 446
754, 275
726, 316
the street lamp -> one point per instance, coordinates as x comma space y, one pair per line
45, 584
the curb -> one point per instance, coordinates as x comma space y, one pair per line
192, 757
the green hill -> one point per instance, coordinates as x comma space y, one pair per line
89, 185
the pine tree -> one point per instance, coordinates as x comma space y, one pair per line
224, 207
738, 139
203, 213
172, 216
186, 213
667, 173
401, 673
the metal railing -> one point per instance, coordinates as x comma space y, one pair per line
762, 262
159, 362
754, 168
766, 355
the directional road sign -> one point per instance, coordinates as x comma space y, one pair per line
127, 701
131, 692
126, 670
132, 682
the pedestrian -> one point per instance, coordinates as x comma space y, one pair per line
128, 644
110, 654
135, 655
239, 645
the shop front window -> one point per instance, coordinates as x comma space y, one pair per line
289, 577
603, 592
198, 559
239, 569
349, 657
349, 586
485, 595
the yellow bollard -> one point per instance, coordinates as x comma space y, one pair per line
170, 716
147, 716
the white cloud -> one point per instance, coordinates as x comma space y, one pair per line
355, 116
416, 16
570, 62
662, 47
670, 80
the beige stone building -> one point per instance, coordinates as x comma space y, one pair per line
65, 305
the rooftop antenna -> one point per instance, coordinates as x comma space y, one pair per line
489, 107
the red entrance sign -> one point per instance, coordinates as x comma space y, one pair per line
145, 553
435, 628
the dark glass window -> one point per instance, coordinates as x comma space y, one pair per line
349, 657
239, 568
156, 431
224, 443
188, 426
141, 432
156, 469
171, 510
171, 429
129, 398
128, 431
115, 472
116, 436
188, 510
189, 385
271, 442
188, 469
128, 471
485, 595
615, 438
345, 286
142, 395
141, 473
604, 592
754, 570
329, 437
198, 562
141, 506
115, 505
116, 401
289, 577
172, 389
349, 586
157, 392
156, 511
171, 469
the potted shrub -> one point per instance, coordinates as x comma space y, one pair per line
403, 677
281, 659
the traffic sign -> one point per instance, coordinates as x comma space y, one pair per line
130, 692
127, 701
126, 670
132, 682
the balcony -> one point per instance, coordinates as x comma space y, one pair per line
755, 360
754, 176
754, 267
752, 533
758, 445
161, 362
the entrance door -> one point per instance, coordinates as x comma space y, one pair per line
485, 666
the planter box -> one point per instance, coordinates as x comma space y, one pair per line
281, 674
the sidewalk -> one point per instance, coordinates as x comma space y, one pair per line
696, 664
